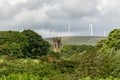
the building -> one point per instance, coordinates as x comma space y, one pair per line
57, 44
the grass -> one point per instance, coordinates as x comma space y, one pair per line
78, 40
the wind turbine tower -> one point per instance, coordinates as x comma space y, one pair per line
105, 32
69, 26
91, 26
51, 33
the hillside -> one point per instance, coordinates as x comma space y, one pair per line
78, 40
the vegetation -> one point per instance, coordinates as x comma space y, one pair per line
69, 50
78, 40
23, 44
112, 42
37, 46
26, 56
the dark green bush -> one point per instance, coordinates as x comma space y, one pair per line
23, 44
55, 55
66, 66
111, 42
94, 64
37, 46
68, 50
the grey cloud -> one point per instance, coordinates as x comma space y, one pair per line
43, 15
74, 9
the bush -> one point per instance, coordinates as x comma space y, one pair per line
12, 50
68, 50
37, 46
66, 66
20, 77
27, 66
23, 44
55, 55
94, 64
112, 41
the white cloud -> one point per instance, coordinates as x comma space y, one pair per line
33, 16
84, 6
40, 15
11, 2
14, 2
108, 6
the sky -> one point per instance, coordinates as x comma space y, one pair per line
51, 17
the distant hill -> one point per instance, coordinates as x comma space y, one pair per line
78, 40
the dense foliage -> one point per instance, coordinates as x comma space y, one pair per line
112, 42
69, 50
23, 44
37, 46
73, 62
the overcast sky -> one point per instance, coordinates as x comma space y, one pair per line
50, 17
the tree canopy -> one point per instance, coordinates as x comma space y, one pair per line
111, 42
23, 44
37, 46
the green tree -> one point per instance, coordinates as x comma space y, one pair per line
94, 64
69, 50
111, 42
13, 49
37, 45
10, 37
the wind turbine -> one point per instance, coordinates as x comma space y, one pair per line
68, 26
51, 33
91, 26
105, 32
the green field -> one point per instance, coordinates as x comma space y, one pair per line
78, 40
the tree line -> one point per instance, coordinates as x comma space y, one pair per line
22, 44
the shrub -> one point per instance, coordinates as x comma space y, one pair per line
37, 46
68, 50
12, 50
94, 64
112, 41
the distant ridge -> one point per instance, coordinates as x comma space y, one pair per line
78, 40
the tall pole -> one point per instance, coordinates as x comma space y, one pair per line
68, 25
51, 33
91, 26
105, 31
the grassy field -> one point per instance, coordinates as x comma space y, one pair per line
78, 40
